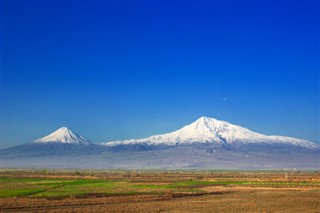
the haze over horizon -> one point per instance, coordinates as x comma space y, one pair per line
118, 70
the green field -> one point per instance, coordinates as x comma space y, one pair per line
53, 187
159, 191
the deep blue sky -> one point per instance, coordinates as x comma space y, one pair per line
119, 70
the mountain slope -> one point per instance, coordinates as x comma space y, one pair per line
212, 131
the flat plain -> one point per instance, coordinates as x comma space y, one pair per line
159, 191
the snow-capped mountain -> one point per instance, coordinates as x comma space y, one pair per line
212, 131
63, 136
206, 143
62, 142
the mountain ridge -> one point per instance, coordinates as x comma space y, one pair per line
211, 130
206, 143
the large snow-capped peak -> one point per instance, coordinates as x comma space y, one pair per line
65, 136
210, 130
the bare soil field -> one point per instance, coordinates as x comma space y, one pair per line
155, 191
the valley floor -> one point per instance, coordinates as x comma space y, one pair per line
169, 191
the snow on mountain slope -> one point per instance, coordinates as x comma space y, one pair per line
210, 130
63, 136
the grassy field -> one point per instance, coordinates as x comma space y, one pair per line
114, 191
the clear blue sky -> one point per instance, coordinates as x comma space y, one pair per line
130, 69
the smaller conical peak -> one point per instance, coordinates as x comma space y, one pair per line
63, 135
63, 128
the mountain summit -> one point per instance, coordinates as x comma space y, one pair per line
213, 131
63, 135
